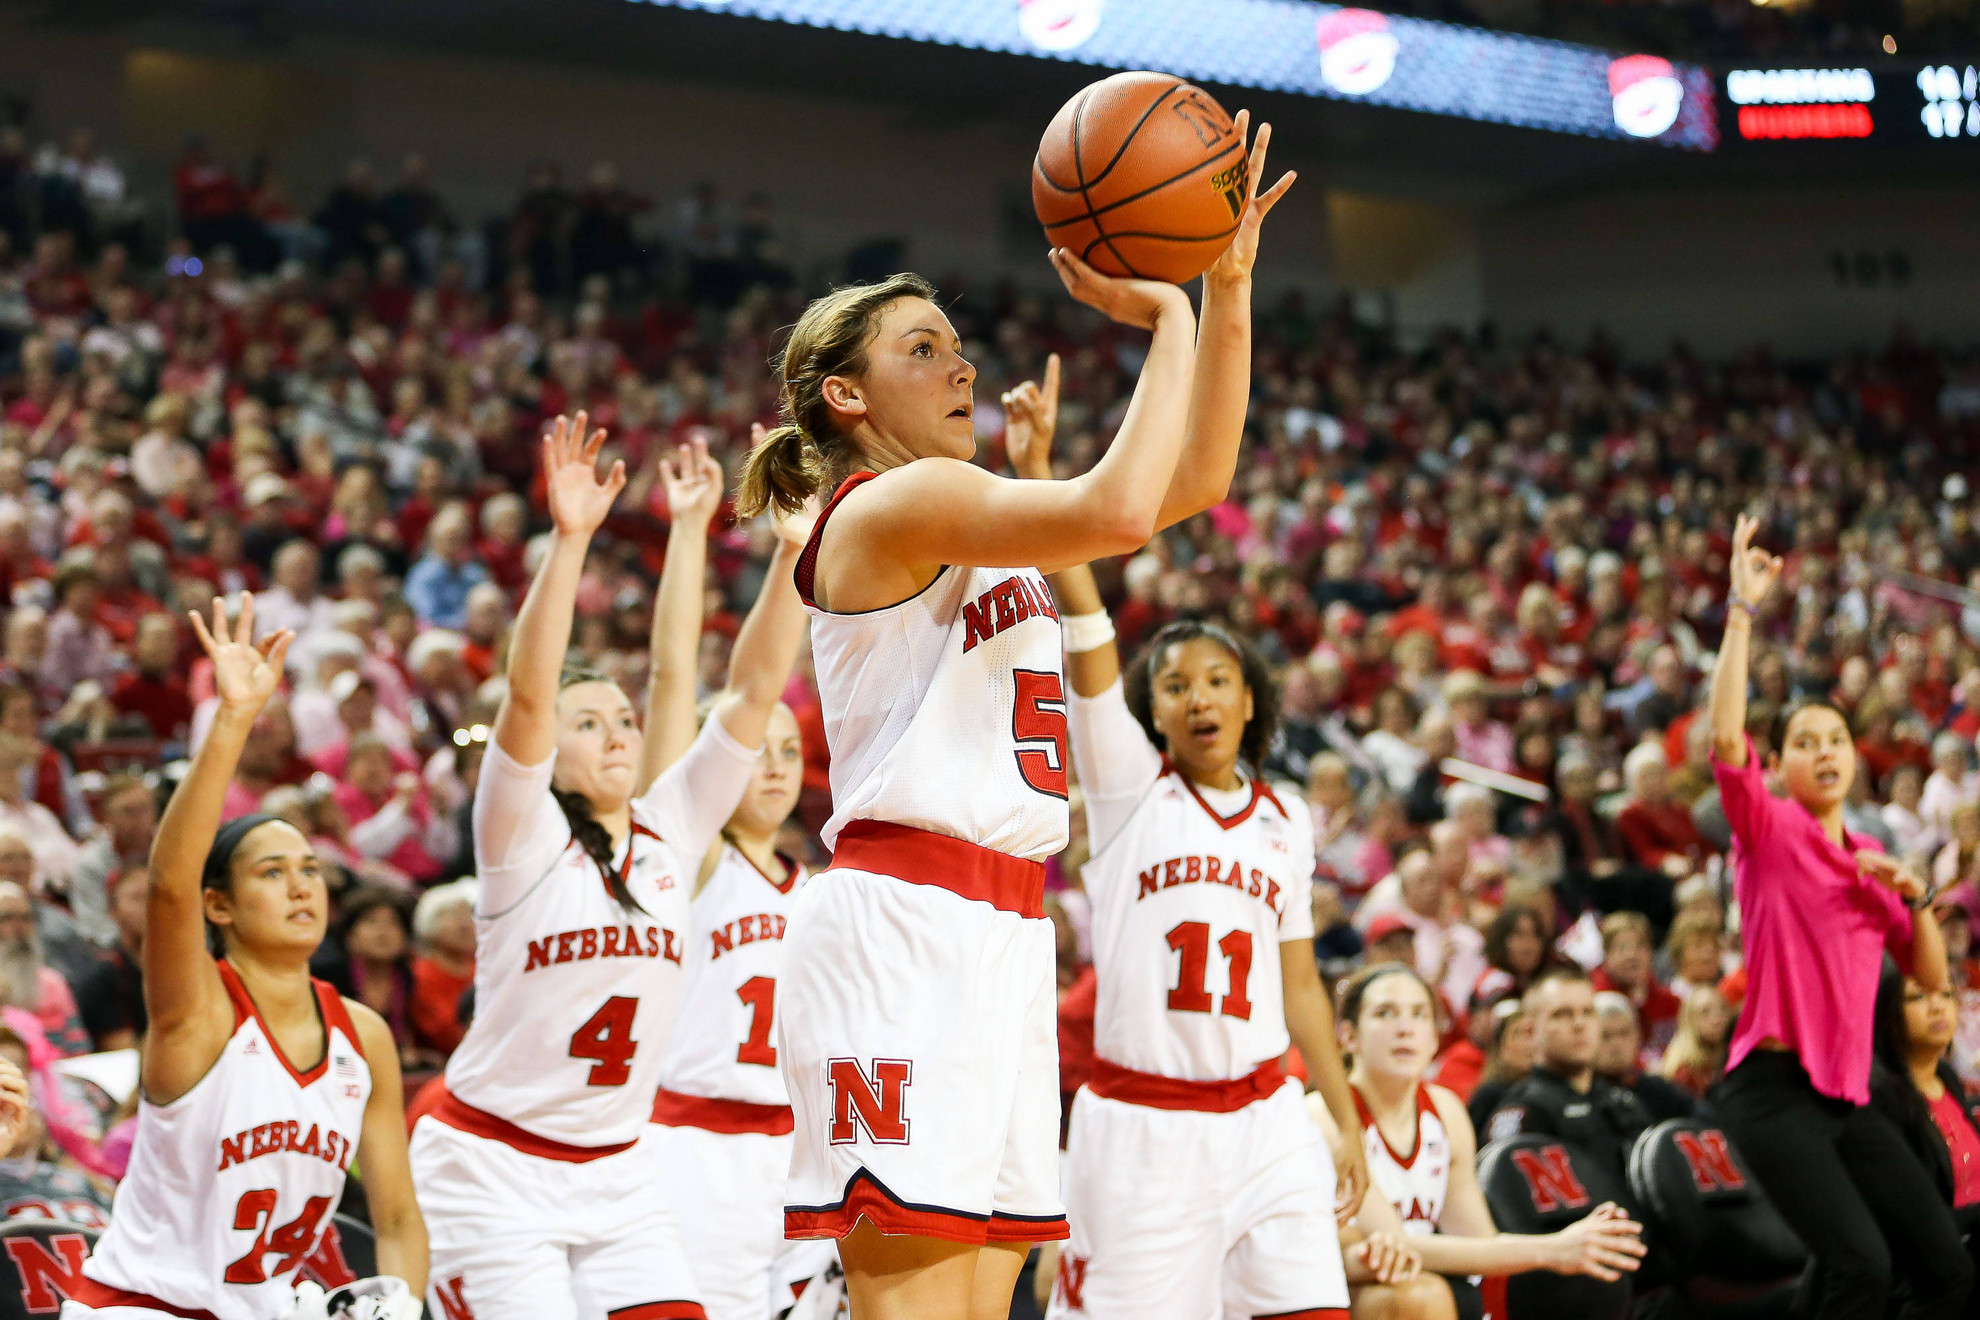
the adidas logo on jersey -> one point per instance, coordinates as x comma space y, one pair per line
604, 942
1211, 871
1005, 605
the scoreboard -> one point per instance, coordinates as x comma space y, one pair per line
1888, 105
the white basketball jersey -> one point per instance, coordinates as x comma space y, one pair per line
1189, 908
232, 1185
725, 1045
946, 712
1415, 1183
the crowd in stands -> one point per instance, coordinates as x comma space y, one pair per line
1489, 576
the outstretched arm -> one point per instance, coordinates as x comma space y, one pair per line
1220, 392
767, 644
1753, 573
526, 726
693, 481
184, 1000
1031, 413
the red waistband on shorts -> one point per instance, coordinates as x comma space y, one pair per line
1113, 1082
458, 1114
88, 1292
922, 857
731, 1117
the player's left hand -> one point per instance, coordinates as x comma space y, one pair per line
1031, 419
1236, 262
1387, 1257
1350, 1174
1887, 869
693, 481
579, 500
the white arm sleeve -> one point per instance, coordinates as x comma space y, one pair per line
1116, 763
695, 796
518, 827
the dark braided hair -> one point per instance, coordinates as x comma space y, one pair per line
1139, 685
590, 835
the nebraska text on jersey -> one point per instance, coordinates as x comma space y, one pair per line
327, 1144
603, 942
1005, 605
1213, 871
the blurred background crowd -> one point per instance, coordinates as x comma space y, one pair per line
1489, 575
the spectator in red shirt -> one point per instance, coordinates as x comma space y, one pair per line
443, 964
155, 693
1628, 970
1656, 829
504, 523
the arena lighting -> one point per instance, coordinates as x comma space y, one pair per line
1308, 48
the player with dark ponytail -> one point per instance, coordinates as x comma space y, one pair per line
533, 1170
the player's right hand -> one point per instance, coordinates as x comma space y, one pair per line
1237, 259
1606, 1245
579, 501
1387, 1257
1031, 418
245, 674
693, 481
1139, 303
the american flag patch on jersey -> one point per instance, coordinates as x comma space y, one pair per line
346, 1066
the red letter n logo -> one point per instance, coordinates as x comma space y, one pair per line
45, 1281
1072, 1279
1550, 1179
874, 1104
453, 1299
1712, 1167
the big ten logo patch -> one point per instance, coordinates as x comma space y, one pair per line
50, 1272
1710, 1160
1550, 1179
875, 1101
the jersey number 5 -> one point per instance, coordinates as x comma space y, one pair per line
1192, 940
606, 1039
1039, 716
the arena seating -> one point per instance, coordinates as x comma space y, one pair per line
43, 1258
1539, 1184
1734, 1253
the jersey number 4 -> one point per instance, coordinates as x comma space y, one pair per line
1192, 940
1039, 716
256, 1210
606, 1039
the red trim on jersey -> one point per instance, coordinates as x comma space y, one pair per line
625, 867
659, 1311
336, 1013
921, 857
867, 1199
791, 870
1424, 1105
464, 1117
1256, 785
806, 572
710, 1114
329, 1011
1315, 1313
97, 1296
1110, 1081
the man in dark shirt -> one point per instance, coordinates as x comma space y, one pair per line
1563, 1096
110, 996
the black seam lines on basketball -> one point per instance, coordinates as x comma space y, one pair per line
1094, 213
1127, 140
1079, 169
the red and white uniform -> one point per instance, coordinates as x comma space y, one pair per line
723, 1118
1196, 1183
919, 1014
532, 1172
231, 1185
1416, 1182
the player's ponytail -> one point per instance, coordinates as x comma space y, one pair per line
808, 450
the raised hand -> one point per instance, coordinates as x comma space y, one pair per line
245, 674
1237, 260
1894, 874
579, 501
1031, 418
1606, 1245
1754, 571
693, 480
1139, 303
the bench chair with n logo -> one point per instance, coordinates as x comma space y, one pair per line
43, 1261
1540, 1184
1730, 1247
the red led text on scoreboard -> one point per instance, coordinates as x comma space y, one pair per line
1758, 122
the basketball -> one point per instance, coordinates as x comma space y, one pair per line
1141, 174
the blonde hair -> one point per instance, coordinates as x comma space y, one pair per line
797, 458
1688, 1050
1689, 927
